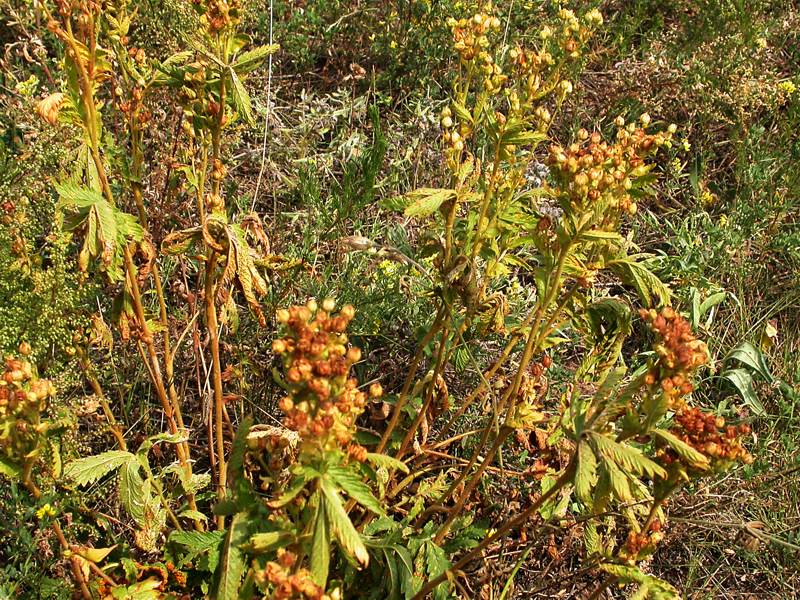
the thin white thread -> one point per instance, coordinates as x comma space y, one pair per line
264, 154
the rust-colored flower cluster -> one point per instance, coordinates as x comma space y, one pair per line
323, 401
639, 542
709, 435
679, 352
23, 397
287, 585
592, 170
219, 14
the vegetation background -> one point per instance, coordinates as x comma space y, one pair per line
347, 115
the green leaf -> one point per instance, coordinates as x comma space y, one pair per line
355, 488
134, 492
341, 526
236, 460
320, 555
194, 515
268, 540
241, 99
636, 273
743, 382
618, 482
88, 470
750, 356
149, 589
585, 473
232, 559
252, 59
197, 543
426, 201
387, 462
683, 449
629, 458
8, 468
657, 589
297, 485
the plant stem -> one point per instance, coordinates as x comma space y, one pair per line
509, 525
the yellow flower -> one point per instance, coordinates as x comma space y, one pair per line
45, 511
723, 220
787, 87
392, 44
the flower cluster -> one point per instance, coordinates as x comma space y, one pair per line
709, 435
679, 352
288, 585
323, 401
470, 37
218, 14
595, 171
642, 542
23, 397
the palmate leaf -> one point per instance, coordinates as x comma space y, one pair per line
629, 458
341, 526
88, 470
634, 271
108, 230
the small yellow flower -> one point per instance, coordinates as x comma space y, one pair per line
787, 87
45, 511
761, 42
723, 220
686, 146
392, 44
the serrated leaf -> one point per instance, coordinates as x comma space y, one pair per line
352, 485
387, 462
241, 99
88, 470
134, 492
197, 543
320, 555
585, 473
683, 449
232, 559
636, 273
618, 482
341, 526
426, 201
251, 59
629, 458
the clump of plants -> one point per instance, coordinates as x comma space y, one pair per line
316, 505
